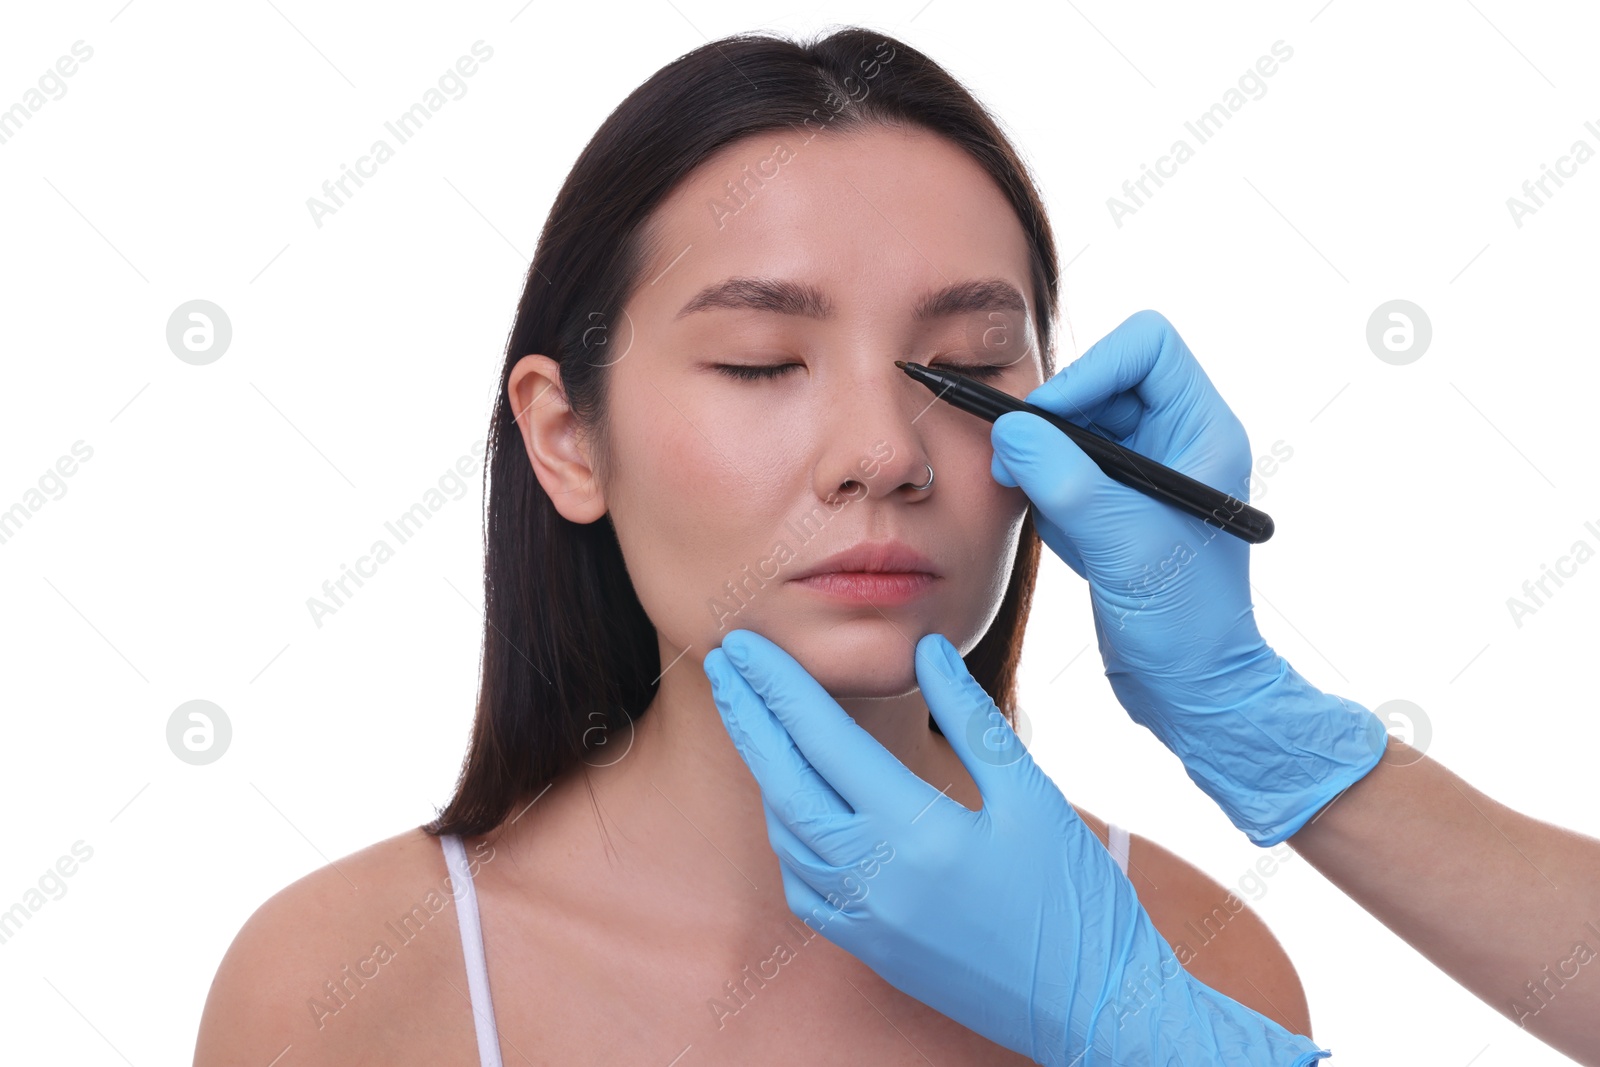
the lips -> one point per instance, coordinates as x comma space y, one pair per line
873, 589
872, 557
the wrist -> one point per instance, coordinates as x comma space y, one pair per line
1163, 1014
1311, 747
1259, 739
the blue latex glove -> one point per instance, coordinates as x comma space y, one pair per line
1171, 594
1012, 920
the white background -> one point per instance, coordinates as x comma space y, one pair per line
178, 562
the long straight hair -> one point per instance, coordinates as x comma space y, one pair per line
569, 658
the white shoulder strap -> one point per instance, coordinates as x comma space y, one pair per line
455, 855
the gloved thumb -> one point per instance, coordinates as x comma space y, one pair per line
1075, 505
1055, 473
990, 750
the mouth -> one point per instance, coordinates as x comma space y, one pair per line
871, 572
878, 588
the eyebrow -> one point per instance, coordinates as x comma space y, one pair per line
798, 298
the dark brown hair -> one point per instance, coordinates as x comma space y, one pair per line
569, 656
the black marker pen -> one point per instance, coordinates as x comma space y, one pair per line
1126, 466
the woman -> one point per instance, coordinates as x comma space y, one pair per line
702, 422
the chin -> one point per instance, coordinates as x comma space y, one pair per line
875, 685
865, 659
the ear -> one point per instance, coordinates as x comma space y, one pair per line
550, 433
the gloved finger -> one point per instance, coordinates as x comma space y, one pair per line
997, 468
1058, 477
807, 819
787, 780
814, 836
814, 908
1052, 535
982, 739
1043, 525
827, 870
1143, 355
862, 771
1117, 417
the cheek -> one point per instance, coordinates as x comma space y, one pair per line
986, 511
989, 517
695, 497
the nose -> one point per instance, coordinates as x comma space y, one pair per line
871, 438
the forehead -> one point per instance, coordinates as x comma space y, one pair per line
875, 218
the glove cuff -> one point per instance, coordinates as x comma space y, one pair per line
1303, 747
1166, 1015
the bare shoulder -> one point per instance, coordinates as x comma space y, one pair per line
1216, 935
358, 961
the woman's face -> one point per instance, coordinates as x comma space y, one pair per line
725, 488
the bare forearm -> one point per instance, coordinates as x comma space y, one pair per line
1507, 905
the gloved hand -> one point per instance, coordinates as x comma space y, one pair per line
1170, 593
1012, 920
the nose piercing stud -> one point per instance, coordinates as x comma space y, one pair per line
929, 483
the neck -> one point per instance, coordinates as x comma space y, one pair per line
683, 806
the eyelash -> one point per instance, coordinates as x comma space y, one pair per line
753, 372
750, 372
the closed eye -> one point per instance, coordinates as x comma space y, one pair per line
751, 372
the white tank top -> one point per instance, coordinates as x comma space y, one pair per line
466, 897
